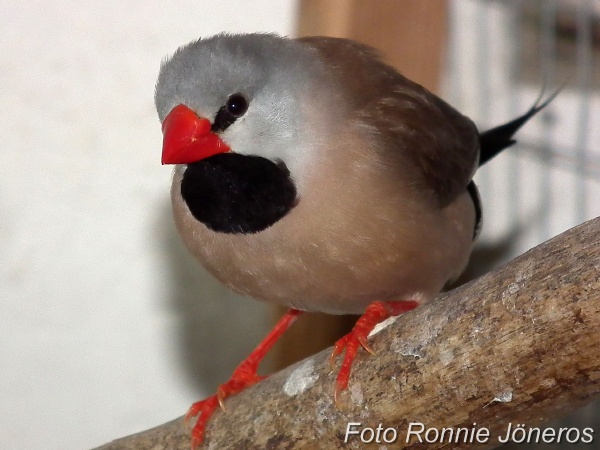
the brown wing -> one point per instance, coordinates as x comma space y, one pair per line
442, 144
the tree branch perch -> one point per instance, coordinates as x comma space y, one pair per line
519, 345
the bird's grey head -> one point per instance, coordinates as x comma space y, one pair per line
271, 76
270, 71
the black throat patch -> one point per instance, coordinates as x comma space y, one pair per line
233, 193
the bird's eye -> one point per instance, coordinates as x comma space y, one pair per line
237, 105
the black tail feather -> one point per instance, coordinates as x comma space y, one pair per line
492, 142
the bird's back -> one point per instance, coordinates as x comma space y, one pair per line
441, 143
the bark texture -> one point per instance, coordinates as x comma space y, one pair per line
519, 345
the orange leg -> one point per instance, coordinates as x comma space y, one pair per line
375, 313
243, 376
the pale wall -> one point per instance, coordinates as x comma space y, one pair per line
105, 323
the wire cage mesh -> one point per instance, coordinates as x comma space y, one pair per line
503, 56
551, 180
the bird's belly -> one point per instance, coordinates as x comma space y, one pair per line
316, 283
337, 265
336, 276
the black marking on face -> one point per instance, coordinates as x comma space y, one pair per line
233, 193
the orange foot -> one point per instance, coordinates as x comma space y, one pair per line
375, 313
243, 376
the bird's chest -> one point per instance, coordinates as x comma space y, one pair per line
326, 259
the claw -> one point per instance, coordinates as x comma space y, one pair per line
375, 313
204, 409
365, 344
338, 348
196, 441
336, 397
221, 399
243, 376
334, 354
187, 418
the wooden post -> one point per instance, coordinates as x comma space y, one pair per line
411, 34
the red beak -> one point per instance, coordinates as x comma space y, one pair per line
187, 138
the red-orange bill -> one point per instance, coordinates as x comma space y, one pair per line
187, 138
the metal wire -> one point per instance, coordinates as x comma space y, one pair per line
548, 68
584, 74
555, 178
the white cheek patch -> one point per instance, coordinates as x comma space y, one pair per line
179, 170
275, 131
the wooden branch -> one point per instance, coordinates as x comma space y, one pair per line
517, 346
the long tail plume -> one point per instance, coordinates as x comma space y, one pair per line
495, 140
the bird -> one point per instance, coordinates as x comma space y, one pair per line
311, 174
